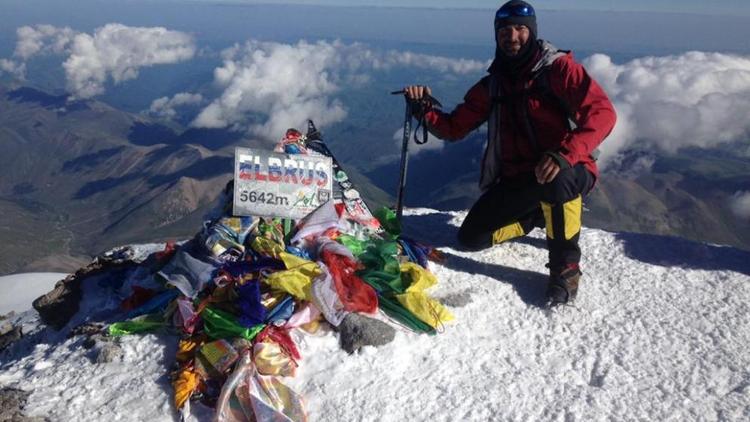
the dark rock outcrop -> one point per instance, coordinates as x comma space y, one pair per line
12, 401
456, 300
108, 352
57, 307
357, 331
9, 337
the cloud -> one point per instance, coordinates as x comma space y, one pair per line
433, 143
114, 51
18, 70
166, 107
441, 64
285, 83
269, 87
33, 41
667, 103
118, 52
739, 203
41, 39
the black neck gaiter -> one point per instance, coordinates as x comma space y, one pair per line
512, 65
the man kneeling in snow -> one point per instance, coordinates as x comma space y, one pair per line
545, 118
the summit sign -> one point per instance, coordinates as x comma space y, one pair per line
269, 184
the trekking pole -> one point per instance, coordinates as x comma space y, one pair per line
426, 101
404, 158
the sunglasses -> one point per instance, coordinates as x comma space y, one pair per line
516, 10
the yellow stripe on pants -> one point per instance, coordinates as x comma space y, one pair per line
571, 217
505, 233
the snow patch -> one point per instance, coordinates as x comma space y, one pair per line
20, 290
645, 340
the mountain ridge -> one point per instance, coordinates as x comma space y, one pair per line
87, 177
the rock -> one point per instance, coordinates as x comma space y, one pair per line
108, 353
12, 402
89, 343
118, 255
456, 300
87, 329
357, 330
5, 328
102, 349
57, 307
95, 339
9, 338
9, 315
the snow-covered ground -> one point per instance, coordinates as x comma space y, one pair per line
20, 290
660, 331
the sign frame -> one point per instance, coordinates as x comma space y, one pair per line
271, 184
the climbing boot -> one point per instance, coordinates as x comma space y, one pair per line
563, 284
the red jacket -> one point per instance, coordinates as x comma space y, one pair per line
503, 103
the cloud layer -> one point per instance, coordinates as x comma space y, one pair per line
394, 58
114, 51
666, 103
268, 87
39, 39
740, 205
18, 70
165, 107
663, 103
284, 84
117, 51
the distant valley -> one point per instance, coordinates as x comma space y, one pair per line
79, 178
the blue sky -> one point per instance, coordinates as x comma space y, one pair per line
723, 7
465, 32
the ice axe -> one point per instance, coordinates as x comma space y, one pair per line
422, 106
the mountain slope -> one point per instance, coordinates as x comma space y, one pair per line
82, 177
659, 331
684, 194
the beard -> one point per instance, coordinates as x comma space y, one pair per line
512, 49
510, 57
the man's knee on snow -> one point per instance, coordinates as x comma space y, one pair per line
472, 241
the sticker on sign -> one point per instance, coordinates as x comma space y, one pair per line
269, 184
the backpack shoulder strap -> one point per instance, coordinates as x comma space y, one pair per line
542, 86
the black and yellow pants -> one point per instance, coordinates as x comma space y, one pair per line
510, 210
